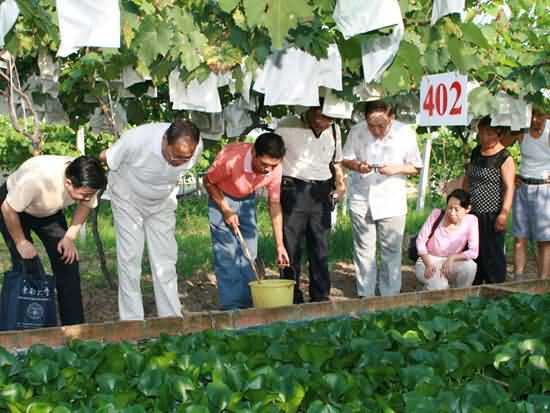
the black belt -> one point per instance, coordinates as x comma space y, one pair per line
533, 181
306, 181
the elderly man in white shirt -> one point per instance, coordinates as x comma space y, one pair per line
381, 152
145, 165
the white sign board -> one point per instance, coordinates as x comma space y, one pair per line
444, 100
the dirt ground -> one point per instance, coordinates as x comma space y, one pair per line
199, 293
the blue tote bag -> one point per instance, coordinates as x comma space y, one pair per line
28, 297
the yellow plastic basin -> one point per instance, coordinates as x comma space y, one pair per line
272, 293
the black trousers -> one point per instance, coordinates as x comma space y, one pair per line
50, 230
491, 262
306, 216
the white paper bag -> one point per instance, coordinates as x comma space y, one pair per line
354, 17
82, 23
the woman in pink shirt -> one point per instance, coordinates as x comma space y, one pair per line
447, 257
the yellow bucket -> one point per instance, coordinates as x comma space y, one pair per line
272, 293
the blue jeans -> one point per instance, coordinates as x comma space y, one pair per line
232, 269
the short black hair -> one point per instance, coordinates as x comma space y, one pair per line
485, 122
378, 106
270, 144
181, 128
86, 171
462, 196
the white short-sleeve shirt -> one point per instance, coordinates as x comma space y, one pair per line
386, 195
308, 157
138, 171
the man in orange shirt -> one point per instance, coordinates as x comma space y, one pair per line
232, 180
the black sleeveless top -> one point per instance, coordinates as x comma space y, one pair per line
485, 181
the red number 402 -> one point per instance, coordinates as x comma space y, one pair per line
438, 100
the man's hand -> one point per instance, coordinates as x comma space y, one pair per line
67, 250
390, 170
363, 168
500, 223
338, 192
231, 219
282, 257
26, 249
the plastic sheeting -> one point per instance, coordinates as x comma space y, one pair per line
211, 125
512, 112
335, 107
378, 53
82, 23
293, 77
201, 97
8, 15
49, 74
131, 77
99, 122
442, 8
237, 118
354, 17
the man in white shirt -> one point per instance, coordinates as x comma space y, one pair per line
381, 152
312, 144
145, 165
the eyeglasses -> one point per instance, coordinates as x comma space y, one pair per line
175, 159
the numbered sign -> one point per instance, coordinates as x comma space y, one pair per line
443, 100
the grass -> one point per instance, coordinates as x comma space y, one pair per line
193, 238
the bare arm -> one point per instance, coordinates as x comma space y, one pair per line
13, 223
276, 214
339, 180
79, 217
508, 171
355, 165
216, 194
66, 246
103, 156
407, 169
11, 218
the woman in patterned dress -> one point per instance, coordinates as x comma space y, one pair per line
490, 181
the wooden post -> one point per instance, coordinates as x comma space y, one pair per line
424, 177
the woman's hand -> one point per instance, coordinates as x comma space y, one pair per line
500, 223
428, 265
447, 266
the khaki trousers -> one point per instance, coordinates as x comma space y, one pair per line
133, 227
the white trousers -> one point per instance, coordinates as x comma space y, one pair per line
133, 227
367, 233
462, 274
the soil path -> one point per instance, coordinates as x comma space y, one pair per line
199, 292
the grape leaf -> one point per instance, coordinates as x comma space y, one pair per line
228, 5
283, 15
473, 34
254, 11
